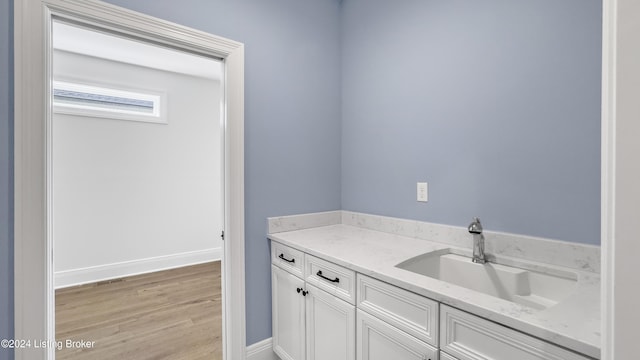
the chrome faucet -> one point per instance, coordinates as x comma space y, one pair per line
475, 228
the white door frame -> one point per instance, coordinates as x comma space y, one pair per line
608, 139
33, 258
620, 178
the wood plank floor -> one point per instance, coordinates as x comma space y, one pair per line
172, 314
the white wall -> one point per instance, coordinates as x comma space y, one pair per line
128, 191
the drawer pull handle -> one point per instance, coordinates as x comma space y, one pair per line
287, 260
319, 273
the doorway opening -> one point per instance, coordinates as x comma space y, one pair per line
137, 190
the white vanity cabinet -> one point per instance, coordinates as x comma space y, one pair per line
324, 311
311, 319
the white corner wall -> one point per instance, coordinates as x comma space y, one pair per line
132, 197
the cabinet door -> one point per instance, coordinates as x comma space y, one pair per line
288, 314
377, 340
445, 356
331, 326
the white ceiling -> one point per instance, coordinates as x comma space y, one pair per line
93, 43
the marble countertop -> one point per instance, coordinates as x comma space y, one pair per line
574, 323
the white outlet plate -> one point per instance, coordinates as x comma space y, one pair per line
423, 192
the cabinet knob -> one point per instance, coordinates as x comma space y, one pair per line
304, 293
298, 290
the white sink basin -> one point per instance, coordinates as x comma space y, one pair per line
536, 289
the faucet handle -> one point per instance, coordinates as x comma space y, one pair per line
475, 227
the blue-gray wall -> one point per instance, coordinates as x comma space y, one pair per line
495, 103
6, 174
292, 115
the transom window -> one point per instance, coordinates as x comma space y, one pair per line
87, 100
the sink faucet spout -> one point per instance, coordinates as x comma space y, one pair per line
475, 229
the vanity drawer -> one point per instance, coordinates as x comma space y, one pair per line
287, 258
403, 309
468, 337
332, 278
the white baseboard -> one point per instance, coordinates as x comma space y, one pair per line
262, 350
92, 274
